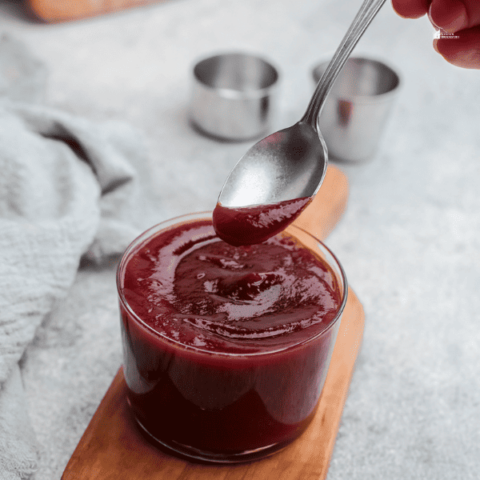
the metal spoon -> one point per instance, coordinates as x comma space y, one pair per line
292, 163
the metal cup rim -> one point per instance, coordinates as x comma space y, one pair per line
231, 92
363, 99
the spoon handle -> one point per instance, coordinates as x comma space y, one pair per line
362, 20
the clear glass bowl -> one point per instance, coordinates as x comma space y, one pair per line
216, 406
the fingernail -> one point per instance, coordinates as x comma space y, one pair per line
448, 15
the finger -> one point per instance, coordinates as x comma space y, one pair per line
448, 15
411, 8
463, 50
454, 15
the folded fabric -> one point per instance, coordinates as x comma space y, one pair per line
68, 191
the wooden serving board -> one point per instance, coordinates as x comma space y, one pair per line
112, 447
64, 10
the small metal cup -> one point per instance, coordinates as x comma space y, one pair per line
233, 96
354, 115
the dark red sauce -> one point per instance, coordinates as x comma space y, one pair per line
255, 224
228, 355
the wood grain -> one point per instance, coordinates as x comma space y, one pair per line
112, 446
64, 10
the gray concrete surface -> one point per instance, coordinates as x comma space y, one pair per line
408, 241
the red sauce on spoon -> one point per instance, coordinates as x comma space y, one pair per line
255, 224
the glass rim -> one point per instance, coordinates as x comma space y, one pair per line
172, 222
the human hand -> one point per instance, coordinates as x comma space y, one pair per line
458, 22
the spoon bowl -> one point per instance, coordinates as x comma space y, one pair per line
288, 164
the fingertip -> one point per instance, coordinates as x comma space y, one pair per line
461, 50
448, 15
411, 8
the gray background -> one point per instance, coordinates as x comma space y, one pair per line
408, 241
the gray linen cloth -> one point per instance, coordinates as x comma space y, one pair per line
67, 193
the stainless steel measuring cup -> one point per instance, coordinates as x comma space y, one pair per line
356, 110
233, 95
